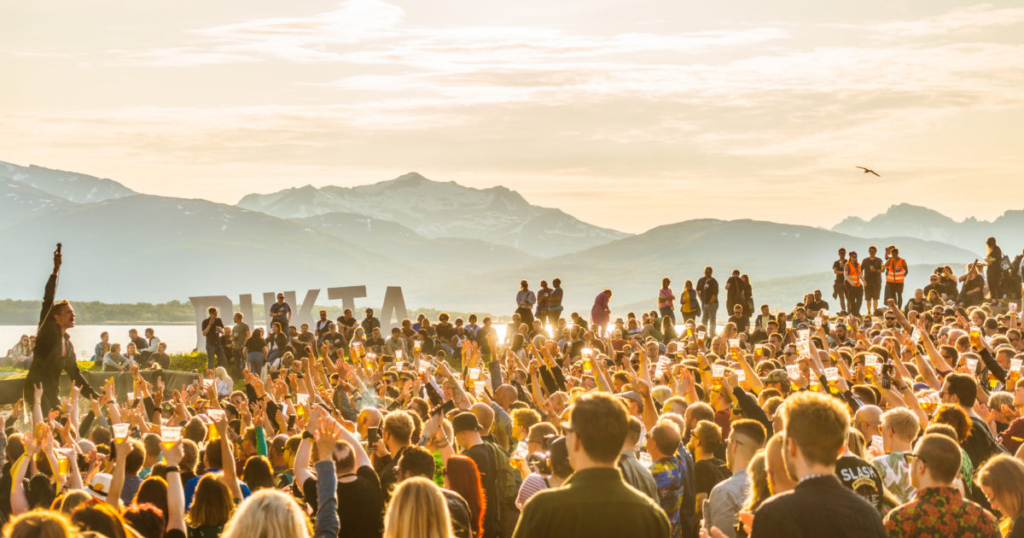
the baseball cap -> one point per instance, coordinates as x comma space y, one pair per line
465, 421
632, 396
777, 376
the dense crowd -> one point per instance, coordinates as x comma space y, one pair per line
901, 420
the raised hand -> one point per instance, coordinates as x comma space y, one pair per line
326, 435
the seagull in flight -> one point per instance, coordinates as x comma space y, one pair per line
868, 171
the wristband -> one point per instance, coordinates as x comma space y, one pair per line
307, 435
173, 470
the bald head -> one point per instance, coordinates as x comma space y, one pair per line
505, 395
484, 415
775, 465
868, 420
368, 418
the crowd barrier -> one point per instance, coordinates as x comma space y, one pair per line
12, 389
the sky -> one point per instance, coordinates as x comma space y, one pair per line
625, 114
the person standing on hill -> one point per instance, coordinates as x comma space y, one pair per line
543, 294
839, 286
994, 271
895, 274
555, 302
707, 289
665, 300
872, 268
525, 299
854, 284
54, 351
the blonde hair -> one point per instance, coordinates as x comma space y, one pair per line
417, 510
903, 422
39, 524
222, 374
71, 500
268, 513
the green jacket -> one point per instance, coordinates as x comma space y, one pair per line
593, 503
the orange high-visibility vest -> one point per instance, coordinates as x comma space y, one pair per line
854, 274
896, 270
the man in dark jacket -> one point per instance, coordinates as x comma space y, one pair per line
54, 351
595, 501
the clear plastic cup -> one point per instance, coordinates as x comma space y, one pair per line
718, 371
64, 460
474, 374
793, 371
832, 374
169, 436
121, 432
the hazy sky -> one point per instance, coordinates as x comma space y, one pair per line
627, 114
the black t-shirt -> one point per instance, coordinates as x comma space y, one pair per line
742, 323
872, 269
483, 456
861, 477
213, 337
481, 339
445, 331
279, 313
360, 507
736, 287
708, 473
336, 340
817, 306
255, 343
839, 265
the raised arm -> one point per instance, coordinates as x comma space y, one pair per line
327, 523
175, 489
228, 478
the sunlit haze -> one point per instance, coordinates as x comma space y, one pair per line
625, 114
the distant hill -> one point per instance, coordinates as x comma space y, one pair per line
19, 201
923, 223
443, 210
70, 186
401, 243
151, 248
633, 267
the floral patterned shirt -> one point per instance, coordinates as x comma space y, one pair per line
670, 476
941, 512
894, 468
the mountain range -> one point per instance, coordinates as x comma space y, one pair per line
923, 223
443, 210
447, 245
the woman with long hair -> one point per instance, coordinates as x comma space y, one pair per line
418, 510
258, 474
1002, 481
211, 508
225, 385
101, 518
255, 351
758, 492
153, 490
132, 354
462, 476
268, 514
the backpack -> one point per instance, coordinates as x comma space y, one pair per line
1006, 265
505, 481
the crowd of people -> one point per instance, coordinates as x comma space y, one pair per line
901, 420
